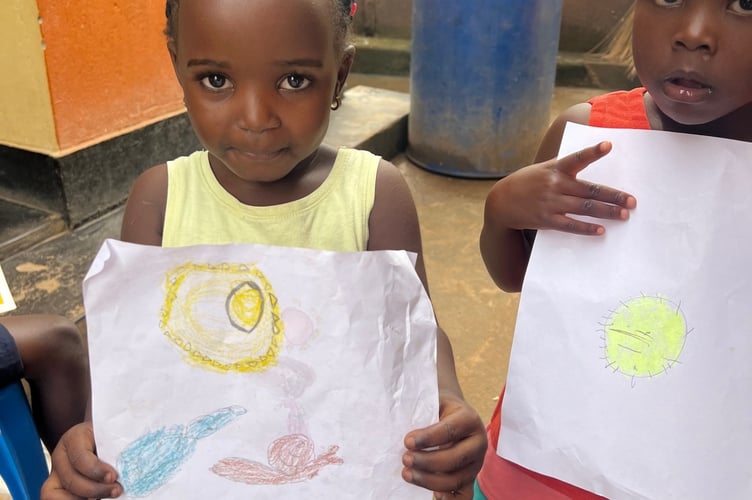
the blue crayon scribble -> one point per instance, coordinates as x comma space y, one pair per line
149, 462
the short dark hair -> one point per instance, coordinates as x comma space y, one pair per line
342, 19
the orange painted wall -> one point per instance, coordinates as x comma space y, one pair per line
107, 67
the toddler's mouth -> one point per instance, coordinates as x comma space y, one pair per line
687, 83
686, 89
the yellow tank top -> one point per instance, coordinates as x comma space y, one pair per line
333, 217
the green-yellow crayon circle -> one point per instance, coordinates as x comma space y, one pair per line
645, 336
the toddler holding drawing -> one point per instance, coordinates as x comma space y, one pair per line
48, 352
259, 79
692, 58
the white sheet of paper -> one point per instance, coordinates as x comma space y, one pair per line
332, 356
630, 369
6, 298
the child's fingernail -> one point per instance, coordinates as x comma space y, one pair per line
407, 475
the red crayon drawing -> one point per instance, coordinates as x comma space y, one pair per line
291, 460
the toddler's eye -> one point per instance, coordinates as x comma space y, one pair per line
215, 82
668, 3
295, 82
743, 7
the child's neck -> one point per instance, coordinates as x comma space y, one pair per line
303, 180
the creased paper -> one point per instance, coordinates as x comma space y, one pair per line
247, 371
630, 370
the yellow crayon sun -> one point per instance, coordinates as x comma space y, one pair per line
645, 336
225, 317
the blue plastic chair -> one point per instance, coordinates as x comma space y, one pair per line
22, 463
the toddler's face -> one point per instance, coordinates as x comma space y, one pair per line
693, 56
258, 78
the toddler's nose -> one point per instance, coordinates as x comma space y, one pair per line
256, 112
699, 29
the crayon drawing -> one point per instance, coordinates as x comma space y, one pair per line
225, 317
153, 459
644, 337
630, 357
316, 350
291, 459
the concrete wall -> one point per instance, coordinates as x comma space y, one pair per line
587, 22
389, 18
98, 68
88, 102
584, 22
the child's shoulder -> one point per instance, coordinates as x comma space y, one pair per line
144, 209
358, 165
616, 109
620, 109
614, 103
347, 155
153, 181
549, 145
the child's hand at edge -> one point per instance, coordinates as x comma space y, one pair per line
445, 457
76, 470
543, 195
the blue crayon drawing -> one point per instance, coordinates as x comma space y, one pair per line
149, 462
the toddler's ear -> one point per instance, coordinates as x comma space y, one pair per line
172, 50
174, 60
348, 57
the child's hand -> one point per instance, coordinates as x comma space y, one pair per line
543, 195
76, 470
447, 456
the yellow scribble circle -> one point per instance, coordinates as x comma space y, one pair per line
645, 336
225, 317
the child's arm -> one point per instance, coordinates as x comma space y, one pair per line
542, 196
143, 219
459, 437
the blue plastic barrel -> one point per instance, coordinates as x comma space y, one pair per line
481, 77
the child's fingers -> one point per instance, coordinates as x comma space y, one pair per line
570, 225
576, 162
446, 456
444, 433
65, 482
430, 475
52, 489
452, 484
592, 208
597, 192
77, 470
462, 456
